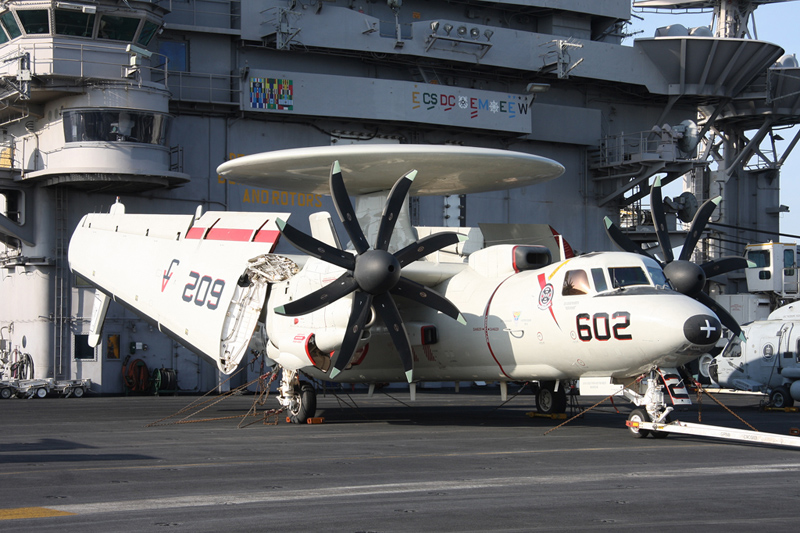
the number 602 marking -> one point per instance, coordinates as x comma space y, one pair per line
600, 327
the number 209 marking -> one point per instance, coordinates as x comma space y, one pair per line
203, 290
600, 327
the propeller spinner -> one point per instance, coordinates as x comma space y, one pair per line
686, 277
372, 275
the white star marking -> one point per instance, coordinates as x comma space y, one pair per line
708, 328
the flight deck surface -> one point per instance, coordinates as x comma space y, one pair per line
447, 462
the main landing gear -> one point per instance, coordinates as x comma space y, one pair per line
298, 398
551, 398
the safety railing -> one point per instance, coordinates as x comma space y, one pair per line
52, 57
626, 148
205, 88
225, 14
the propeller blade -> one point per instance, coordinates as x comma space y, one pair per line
341, 200
660, 220
727, 320
723, 265
698, 225
318, 299
622, 241
355, 325
386, 308
422, 294
391, 211
315, 247
426, 246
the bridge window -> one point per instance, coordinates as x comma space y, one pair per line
115, 125
117, 28
34, 21
148, 31
74, 23
10, 24
576, 282
627, 276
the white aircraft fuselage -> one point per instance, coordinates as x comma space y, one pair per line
520, 325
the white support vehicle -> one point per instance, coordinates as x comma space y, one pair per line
768, 361
40, 388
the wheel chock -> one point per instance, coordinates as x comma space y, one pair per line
315, 420
783, 409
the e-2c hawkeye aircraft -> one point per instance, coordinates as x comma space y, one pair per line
384, 309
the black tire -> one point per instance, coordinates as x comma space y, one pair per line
40, 392
638, 415
305, 406
780, 397
77, 392
5, 393
549, 401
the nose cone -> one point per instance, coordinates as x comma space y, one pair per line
702, 329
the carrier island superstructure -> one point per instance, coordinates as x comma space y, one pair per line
142, 100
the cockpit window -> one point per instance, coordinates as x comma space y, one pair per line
733, 349
576, 282
626, 276
599, 279
658, 277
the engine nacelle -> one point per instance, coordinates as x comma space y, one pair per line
298, 350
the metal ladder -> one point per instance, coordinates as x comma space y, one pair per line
60, 285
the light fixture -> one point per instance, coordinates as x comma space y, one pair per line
462, 30
474, 33
448, 28
488, 34
535, 88
435, 26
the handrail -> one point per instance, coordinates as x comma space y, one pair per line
91, 60
189, 14
53, 57
204, 87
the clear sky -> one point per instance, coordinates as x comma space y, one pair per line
777, 23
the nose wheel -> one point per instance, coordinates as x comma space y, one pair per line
651, 405
637, 416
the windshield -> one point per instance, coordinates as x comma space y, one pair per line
733, 349
658, 277
627, 276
